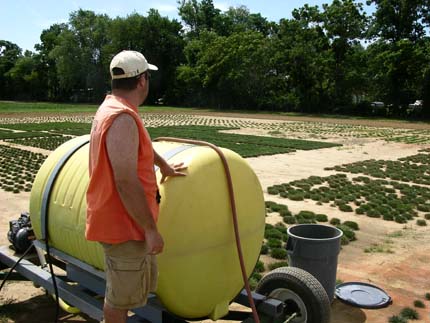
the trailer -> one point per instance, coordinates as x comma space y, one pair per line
284, 295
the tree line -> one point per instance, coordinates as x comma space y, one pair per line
329, 59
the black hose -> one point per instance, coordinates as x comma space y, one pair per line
14, 266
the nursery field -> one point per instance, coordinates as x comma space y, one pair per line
371, 179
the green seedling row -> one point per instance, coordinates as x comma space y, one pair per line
18, 168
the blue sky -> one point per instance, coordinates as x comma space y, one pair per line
22, 21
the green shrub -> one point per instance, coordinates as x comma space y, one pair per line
273, 233
347, 231
388, 217
301, 220
334, 221
409, 313
353, 225
269, 204
345, 208
278, 264
423, 207
272, 191
296, 197
427, 216
274, 243
290, 219
264, 249
344, 240
278, 207
359, 210
285, 212
281, 227
421, 222
259, 267
309, 215
400, 219
397, 319
418, 303
373, 213
427, 296
278, 253
321, 218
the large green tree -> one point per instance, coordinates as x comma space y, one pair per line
9, 55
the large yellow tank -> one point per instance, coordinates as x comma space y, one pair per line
199, 270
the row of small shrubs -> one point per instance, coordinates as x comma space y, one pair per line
18, 168
374, 198
414, 168
48, 143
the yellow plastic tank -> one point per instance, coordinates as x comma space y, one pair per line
199, 270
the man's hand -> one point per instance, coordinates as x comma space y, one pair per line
171, 170
154, 241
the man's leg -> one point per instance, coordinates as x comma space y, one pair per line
114, 315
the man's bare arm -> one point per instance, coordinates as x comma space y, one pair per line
168, 169
122, 143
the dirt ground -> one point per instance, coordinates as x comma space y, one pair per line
403, 274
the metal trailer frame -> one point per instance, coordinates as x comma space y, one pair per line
83, 286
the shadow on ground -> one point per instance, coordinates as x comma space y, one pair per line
342, 313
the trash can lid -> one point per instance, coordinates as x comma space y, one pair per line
362, 295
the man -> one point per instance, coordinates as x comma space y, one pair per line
122, 195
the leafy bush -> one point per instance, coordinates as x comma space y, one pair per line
272, 191
353, 225
344, 240
334, 221
421, 222
359, 210
309, 215
296, 196
397, 319
373, 213
301, 220
259, 267
418, 303
278, 253
290, 219
345, 208
427, 216
400, 219
278, 264
409, 313
274, 243
427, 296
388, 217
321, 218
347, 232
273, 233
264, 249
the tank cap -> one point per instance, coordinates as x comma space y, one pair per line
362, 295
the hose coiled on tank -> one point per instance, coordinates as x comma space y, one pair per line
233, 210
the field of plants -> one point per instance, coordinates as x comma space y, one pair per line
394, 192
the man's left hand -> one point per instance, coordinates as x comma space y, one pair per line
171, 170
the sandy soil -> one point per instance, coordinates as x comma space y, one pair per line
403, 273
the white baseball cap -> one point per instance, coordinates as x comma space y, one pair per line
131, 62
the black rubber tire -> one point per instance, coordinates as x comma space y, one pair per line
304, 285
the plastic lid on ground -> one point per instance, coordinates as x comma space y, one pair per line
362, 295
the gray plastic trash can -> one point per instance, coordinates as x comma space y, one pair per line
315, 248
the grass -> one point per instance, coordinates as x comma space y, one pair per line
378, 248
32, 107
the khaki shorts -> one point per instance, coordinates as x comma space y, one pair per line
131, 274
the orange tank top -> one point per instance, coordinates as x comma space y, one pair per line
107, 218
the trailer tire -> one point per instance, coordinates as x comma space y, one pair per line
301, 292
